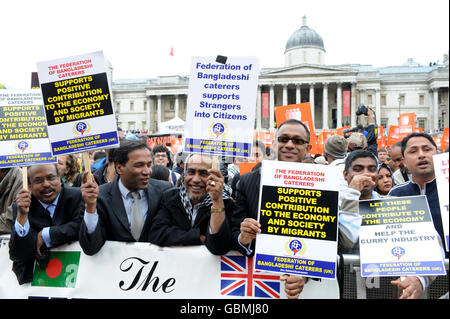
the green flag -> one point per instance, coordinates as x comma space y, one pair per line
61, 270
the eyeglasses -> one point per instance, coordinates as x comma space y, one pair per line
295, 140
40, 180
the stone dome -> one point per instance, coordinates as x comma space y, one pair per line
304, 37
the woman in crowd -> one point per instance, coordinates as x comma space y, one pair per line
385, 180
69, 168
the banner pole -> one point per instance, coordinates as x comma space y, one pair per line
25, 177
87, 165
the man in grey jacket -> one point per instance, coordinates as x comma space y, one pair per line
10, 185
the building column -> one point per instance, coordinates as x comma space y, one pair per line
378, 106
353, 104
339, 105
435, 110
158, 105
177, 106
258, 108
148, 115
362, 97
271, 107
285, 94
311, 102
325, 106
298, 93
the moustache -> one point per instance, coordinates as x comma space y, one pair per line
47, 190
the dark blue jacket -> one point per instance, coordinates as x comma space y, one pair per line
412, 189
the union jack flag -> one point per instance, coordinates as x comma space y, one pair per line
238, 278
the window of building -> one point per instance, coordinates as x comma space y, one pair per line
369, 99
383, 100
421, 121
145, 105
117, 107
421, 99
402, 99
384, 122
131, 106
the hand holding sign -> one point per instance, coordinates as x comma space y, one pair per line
23, 202
89, 191
215, 186
411, 286
249, 228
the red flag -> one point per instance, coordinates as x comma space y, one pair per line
171, 51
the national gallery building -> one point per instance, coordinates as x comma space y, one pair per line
334, 91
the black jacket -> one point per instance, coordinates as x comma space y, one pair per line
112, 218
64, 228
172, 227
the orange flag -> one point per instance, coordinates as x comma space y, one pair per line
301, 112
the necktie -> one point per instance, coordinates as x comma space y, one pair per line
137, 218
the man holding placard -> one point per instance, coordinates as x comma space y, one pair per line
47, 215
122, 210
418, 150
292, 145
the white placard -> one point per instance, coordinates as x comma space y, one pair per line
78, 103
398, 238
298, 213
221, 105
23, 129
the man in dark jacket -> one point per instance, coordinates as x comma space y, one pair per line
122, 210
418, 150
47, 216
195, 213
292, 145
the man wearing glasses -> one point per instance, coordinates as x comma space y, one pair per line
47, 215
291, 145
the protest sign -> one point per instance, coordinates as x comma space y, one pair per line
145, 271
301, 112
78, 103
221, 105
397, 238
23, 129
298, 213
441, 167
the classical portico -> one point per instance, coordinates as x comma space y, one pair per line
332, 91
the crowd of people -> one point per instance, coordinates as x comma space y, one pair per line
138, 194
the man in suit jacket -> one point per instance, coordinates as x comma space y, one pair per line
194, 213
122, 210
47, 215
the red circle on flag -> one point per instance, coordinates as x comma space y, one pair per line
54, 268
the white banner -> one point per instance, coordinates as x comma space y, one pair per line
145, 271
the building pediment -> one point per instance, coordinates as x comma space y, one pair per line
307, 70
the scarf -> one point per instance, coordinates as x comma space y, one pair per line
206, 202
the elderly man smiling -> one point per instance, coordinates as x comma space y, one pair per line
195, 213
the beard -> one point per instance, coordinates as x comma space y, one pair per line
198, 198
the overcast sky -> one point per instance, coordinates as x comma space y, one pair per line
136, 35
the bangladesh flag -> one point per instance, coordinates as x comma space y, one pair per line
61, 270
